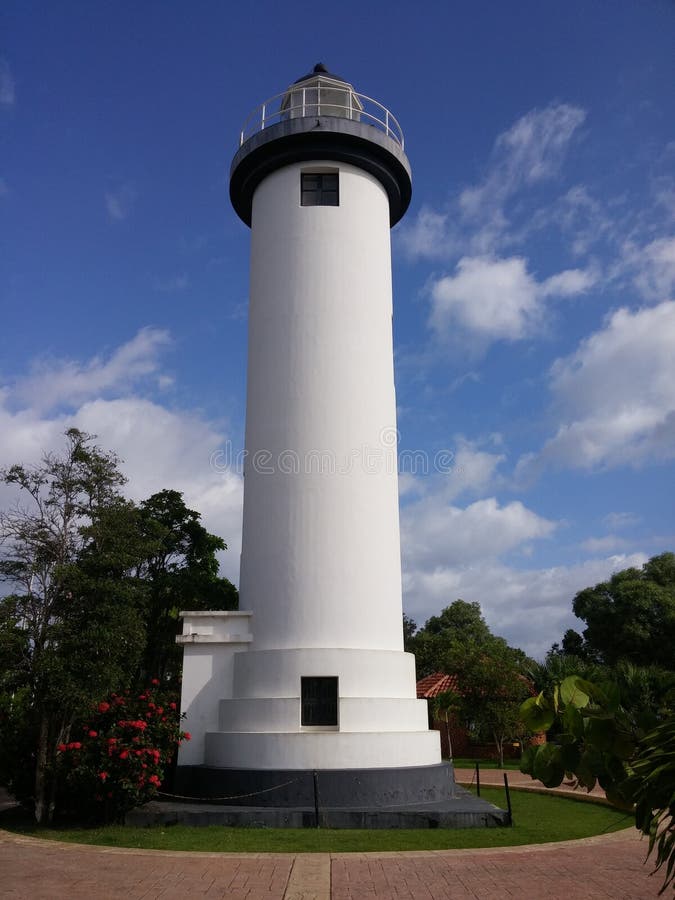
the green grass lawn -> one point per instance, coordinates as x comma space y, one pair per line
538, 819
509, 764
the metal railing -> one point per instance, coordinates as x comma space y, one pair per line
300, 102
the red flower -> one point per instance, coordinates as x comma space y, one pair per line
155, 681
124, 754
151, 706
93, 733
154, 779
139, 753
61, 747
187, 736
112, 740
172, 705
103, 775
74, 745
160, 710
103, 707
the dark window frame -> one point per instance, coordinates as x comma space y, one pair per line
320, 188
319, 701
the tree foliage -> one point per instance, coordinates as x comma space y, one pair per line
490, 674
180, 572
629, 617
96, 584
599, 739
445, 637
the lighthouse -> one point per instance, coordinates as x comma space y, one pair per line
307, 692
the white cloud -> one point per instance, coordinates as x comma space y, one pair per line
435, 534
663, 188
568, 283
532, 150
427, 236
655, 278
615, 394
119, 202
7, 90
476, 222
171, 285
531, 608
495, 299
605, 544
474, 470
164, 448
491, 298
471, 470
159, 448
621, 520
66, 382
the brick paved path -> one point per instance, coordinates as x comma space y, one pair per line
608, 867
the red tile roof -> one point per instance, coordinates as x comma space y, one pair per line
436, 684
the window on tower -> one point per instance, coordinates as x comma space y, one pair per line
319, 701
319, 189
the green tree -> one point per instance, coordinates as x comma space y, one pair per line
631, 616
458, 625
409, 631
492, 686
599, 739
180, 572
70, 636
490, 674
97, 584
445, 705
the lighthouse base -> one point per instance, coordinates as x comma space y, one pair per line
411, 797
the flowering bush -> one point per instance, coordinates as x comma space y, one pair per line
119, 756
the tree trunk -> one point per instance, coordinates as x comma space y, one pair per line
42, 806
447, 731
500, 749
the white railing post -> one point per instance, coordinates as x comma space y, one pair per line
358, 104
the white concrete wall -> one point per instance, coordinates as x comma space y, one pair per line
323, 750
321, 565
321, 552
362, 714
210, 641
361, 673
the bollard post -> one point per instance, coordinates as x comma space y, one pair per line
508, 799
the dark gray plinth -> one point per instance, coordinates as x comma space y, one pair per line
415, 797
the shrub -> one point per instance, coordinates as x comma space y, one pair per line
118, 757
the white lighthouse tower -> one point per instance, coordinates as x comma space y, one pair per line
309, 685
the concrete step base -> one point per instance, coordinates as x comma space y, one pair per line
463, 810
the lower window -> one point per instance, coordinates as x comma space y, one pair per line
319, 700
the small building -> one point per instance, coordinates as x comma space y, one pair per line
453, 732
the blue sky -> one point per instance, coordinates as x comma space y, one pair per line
533, 274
